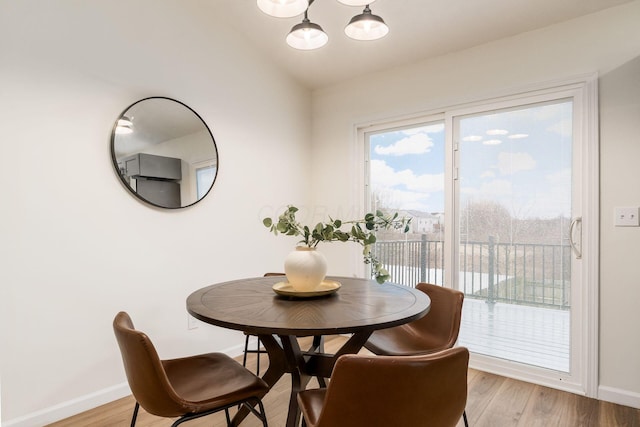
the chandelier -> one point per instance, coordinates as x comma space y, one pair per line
308, 35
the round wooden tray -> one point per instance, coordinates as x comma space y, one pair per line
326, 287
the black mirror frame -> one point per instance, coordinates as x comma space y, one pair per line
128, 187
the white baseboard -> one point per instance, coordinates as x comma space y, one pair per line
607, 394
84, 403
72, 407
618, 396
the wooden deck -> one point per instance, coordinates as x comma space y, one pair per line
529, 335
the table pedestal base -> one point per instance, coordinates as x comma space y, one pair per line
289, 358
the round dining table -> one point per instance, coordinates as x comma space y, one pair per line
356, 308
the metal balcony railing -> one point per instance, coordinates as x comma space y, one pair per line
515, 273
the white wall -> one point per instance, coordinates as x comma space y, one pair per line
608, 43
69, 67
76, 247
619, 266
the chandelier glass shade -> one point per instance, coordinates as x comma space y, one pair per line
366, 26
308, 35
283, 8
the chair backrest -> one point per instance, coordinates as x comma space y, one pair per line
145, 373
405, 391
441, 325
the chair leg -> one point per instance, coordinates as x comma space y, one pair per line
464, 417
256, 401
264, 414
226, 413
261, 414
258, 357
135, 414
318, 344
257, 351
318, 347
246, 347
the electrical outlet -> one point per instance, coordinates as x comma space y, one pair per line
192, 322
626, 217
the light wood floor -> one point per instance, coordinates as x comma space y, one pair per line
493, 401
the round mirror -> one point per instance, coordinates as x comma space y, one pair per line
164, 153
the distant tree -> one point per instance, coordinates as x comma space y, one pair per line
484, 218
481, 219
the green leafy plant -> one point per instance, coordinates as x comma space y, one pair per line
362, 231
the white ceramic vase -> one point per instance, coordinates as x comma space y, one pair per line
305, 268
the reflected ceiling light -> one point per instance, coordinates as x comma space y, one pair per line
283, 8
366, 26
124, 126
518, 136
123, 130
497, 132
125, 121
472, 138
308, 35
492, 142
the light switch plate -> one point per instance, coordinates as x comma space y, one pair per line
626, 217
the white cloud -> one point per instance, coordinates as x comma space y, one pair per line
419, 143
491, 190
558, 196
510, 163
548, 198
561, 177
385, 177
563, 128
487, 174
401, 199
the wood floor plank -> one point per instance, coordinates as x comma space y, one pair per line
617, 415
546, 408
481, 390
583, 411
507, 405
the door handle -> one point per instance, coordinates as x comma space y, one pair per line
576, 247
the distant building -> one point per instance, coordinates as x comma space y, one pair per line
425, 222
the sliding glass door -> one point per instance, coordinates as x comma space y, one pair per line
503, 201
514, 180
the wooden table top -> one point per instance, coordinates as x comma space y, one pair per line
252, 306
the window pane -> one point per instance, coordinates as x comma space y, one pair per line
204, 178
514, 214
406, 174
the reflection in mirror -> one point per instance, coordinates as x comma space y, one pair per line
164, 153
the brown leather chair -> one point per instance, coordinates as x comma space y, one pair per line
436, 331
381, 391
189, 387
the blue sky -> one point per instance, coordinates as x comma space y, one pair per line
519, 158
407, 168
